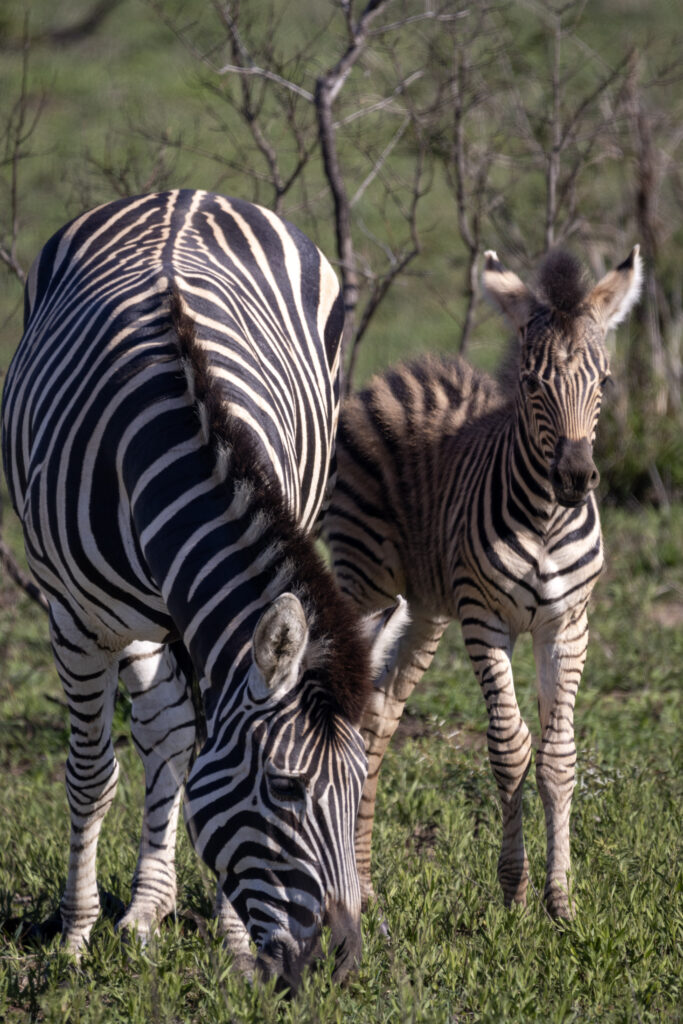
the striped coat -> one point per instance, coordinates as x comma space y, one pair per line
168, 423
476, 501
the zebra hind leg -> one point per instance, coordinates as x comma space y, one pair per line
509, 743
89, 677
416, 649
163, 729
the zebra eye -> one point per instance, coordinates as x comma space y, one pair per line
606, 380
531, 383
287, 788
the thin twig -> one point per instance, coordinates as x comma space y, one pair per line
20, 578
379, 163
269, 76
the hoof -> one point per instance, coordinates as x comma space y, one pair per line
513, 876
75, 943
244, 964
559, 905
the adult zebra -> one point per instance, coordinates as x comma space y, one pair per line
168, 421
475, 501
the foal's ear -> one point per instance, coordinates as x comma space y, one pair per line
615, 295
384, 630
510, 295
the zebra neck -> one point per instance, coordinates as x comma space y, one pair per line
218, 565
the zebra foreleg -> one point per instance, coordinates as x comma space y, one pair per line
235, 935
509, 743
383, 712
89, 676
163, 729
559, 665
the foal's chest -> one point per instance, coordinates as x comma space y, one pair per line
528, 581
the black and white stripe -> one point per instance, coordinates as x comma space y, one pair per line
475, 500
168, 423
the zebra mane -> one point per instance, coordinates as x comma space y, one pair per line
562, 289
340, 652
562, 283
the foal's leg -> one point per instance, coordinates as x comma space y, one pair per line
382, 714
489, 647
559, 664
89, 676
163, 728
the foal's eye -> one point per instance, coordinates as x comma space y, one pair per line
605, 381
532, 384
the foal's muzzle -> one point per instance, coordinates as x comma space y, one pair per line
573, 474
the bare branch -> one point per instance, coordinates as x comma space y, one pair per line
269, 76
337, 75
65, 35
553, 156
381, 104
24, 582
412, 19
327, 90
19, 130
398, 264
380, 162
15, 573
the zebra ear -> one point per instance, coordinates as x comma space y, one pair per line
615, 295
280, 641
384, 630
510, 295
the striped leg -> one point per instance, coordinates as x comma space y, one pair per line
89, 676
559, 664
509, 742
163, 728
380, 719
235, 935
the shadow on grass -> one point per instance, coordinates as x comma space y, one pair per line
29, 934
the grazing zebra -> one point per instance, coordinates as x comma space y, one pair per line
475, 500
168, 420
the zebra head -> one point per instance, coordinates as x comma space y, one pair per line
564, 364
272, 799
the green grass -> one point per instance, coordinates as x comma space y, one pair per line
455, 953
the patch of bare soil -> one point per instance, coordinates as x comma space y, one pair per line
412, 727
423, 839
668, 614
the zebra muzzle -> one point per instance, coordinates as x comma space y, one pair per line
284, 957
573, 474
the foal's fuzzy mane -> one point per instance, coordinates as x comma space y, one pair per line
562, 283
344, 661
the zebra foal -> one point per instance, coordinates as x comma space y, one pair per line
168, 422
476, 501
